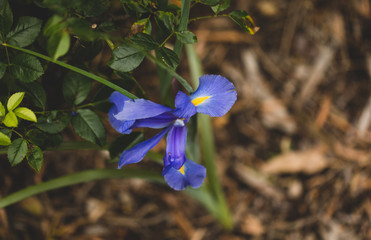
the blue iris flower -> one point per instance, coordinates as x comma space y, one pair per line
214, 96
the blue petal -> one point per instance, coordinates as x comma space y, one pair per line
118, 101
191, 173
214, 96
137, 153
184, 108
140, 109
175, 147
160, 121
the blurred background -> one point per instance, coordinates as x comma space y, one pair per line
293, 154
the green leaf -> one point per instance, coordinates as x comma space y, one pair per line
144, 41
26, 68
35, 158
36, 136
10, 120
186, 37
17, 151
14, 100
210, 2
25, 32
244, 20
223, 5
168, 57
58, 44
36, 93
2, 110
143, 25
167, 19
53, 122
6, 17
93, 8
82, 29
26, 114
76, 88
88, 126
2, 68
4, 140
126, 58
54, 24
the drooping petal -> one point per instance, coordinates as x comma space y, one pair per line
137, 153
214, 96
118, 101
175, 146
190, 173
140, 109
184, 108
160, 121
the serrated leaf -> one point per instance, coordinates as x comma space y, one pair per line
4, 140
17, 151
6, 17
223, 5
26, 68
244, 20
14, 100
2, 110
58, 44
168, 56
53, 122
88, 126
25, 32
36, 93
2, 69
144, 41
186, 37
35, 158
76, 88
126, 58
25, 113
10, 120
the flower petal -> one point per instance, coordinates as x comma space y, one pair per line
160, 121
137, 153
140, 109
214, 96
118, 101
190, 173
175, 147
184, 108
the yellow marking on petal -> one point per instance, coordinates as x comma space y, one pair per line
181, 170
199, 100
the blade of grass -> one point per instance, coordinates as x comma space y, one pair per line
81, 177
75, 69
207, 144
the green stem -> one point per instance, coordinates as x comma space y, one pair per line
75, 178
75, 69
172, 73
208, 145
168, 37
206, 17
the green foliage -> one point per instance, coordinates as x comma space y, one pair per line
35, 158
4, 139
25, 32
14, 100
6, 17
17, 151
26, 68
76, 88
126, 57
53, 122
88, 125
244, 20
186, 37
